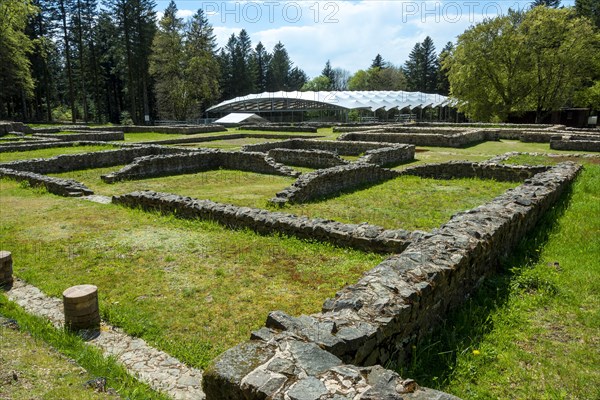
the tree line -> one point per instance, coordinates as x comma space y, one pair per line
115, 61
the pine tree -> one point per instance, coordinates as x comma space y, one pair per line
589, 9
421, 68
546, 3
328, 73
262, 60
202, 68
165, 66
279, 69
443, 85
378, 62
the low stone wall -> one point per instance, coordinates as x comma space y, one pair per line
344, 148
97, 159
306, 158
232, 137
326, 182
279, 128
389, 156
385, 313
7, 127
359, 236
575, 144
85, 136
61, 187
44, 144
467, 169
460, 139
197, 161
176, 130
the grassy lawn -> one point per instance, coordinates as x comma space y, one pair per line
190, 288
526, 159
54, 364
534, 331
47, 153
406, 202
480, 152
227, 186
40, 371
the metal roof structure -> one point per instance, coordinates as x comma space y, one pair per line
337, 100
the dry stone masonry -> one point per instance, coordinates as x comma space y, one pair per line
197, 161
306, 158
360, 236
328, 355
76, 136
58, 186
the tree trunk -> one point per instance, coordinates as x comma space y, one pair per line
68, 59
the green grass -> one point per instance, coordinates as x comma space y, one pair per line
47, 153
36, 355
226, 186
527, 159
480, 152
407, 202
533, 331
190, 288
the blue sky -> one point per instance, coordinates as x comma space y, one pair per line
349, 33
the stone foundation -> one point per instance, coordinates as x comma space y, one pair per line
85, 136
197, 161
379, 318
577, 144
406, 136
359, 236
58, 186
330, 181
333, 146
278, 128
306, 158
98, 159
389, 156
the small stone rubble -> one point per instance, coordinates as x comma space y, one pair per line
151, 366
360, 236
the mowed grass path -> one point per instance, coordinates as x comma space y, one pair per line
534, 331
191, 288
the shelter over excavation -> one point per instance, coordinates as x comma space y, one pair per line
341, 102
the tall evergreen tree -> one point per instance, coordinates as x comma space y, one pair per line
328, 73
421, 68
202, 68
546, 3
443, 84
136, 22
279, 69
589, 9
297, 79
262, 60
378, 62
172, 97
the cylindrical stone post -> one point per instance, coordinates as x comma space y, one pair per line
81, 307
6, 271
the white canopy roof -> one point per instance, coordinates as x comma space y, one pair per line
238, 118
349, 100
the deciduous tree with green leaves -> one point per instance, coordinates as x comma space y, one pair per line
523, 61
16, 83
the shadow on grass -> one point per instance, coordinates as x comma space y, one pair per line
435, 357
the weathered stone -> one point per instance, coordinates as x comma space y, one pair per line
309, 388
